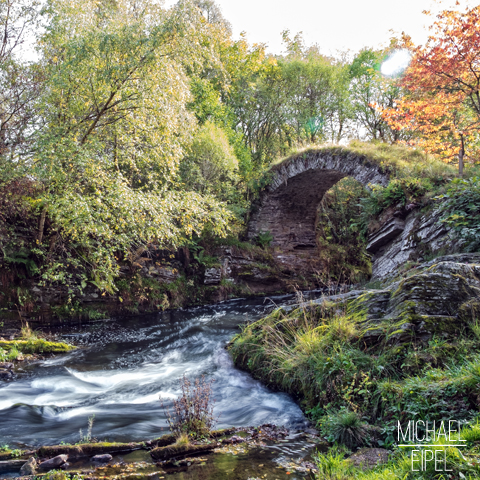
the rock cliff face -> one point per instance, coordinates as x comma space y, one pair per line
413, 238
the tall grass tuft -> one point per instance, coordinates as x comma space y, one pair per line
347, 428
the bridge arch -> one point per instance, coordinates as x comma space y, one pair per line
288, 206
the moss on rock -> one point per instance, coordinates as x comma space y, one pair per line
39, 345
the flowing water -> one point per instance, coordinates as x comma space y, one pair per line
123, 367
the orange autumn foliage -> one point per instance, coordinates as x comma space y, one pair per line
442, 103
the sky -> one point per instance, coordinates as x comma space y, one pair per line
335, 25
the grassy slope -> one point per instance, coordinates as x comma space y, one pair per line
319, 353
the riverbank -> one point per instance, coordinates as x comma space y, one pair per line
24, 346
364, 361
236, 450
157, 281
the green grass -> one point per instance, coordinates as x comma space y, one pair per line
463, 463
8, 355
318, 354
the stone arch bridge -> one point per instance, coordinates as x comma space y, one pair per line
288, 206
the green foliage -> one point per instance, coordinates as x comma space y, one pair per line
342, 244
21, 257
460, 206
87, 438
8, 355
34, 345
333, 466
290, 101
58, 475
401, 161
471, 434
369, 90
399, 193
210, 165
108, 149
462, 464
264, 239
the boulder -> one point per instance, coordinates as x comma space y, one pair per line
5, 374
367, 458
439, 299
53, 463
29, 468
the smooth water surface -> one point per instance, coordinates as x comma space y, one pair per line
123, 367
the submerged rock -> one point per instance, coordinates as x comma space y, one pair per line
233, 439
102, 458
5, 374
174, 451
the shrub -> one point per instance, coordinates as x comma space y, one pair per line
461, 209
193, 410
471, 434
264, 239
342, 243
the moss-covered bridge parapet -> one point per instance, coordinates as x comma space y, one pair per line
288, 206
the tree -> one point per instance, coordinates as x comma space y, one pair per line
442, 125
290, 100
115, 125
20, 82
443, 84
370, 92
210, 165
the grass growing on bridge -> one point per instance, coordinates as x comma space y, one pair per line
400, 161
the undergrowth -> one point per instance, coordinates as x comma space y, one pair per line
464, 464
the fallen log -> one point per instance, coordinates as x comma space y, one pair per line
175, 451
88, 449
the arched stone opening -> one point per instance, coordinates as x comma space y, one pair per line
288, 206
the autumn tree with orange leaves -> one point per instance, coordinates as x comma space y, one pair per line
442, 104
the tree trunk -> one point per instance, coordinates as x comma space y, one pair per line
41, 225
461, 153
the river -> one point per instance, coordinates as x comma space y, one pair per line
122, 368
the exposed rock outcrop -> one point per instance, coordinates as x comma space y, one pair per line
399, 241
438, 298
